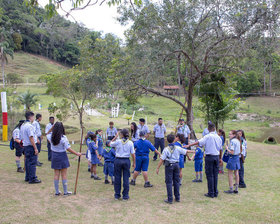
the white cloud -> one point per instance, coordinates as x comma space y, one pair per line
97, 18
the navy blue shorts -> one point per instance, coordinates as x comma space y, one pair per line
59, 160
198, 165
109, 168
100, 150
19, 150
233, 162
142, 163
181, 161
94, 159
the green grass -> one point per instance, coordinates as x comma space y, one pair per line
94, 203
31, 67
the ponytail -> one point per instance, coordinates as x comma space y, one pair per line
234, 132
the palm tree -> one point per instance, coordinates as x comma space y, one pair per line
5, 50
28, 99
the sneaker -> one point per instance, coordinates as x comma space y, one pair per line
200, 181
106, 181
229, 192
195, 180
208, 195
132, 182
20, 170
147, 185
96, 178
242, 186
168, 202
68, 193
38, 164
235, 191
58, 194
36, 181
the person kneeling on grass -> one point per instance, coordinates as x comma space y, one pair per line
170, 158
198, 164
95, 157
142, 148
233, 165
59, 160
109, 155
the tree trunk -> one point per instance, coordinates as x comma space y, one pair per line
264, 84
270, 86
189, 107
3, 70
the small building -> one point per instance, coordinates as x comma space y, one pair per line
172, 90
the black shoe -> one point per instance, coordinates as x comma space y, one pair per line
229, 192
195, 180
168, 202
26, 180
38, 164
36, 181
147, 185
177, 200
154, 159
242, 186
208, 195
106, 181
96, 178
68, 193
113, 182
132, 182
20, 170
125, 199
88, 169
235, 191
57, 194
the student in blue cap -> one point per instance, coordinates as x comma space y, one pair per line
29, 139
198, 164
95, 157
124, 148
170, 157
179, 141
99, 144
109, 155
18, 146
60, 162
88, 153
142, 148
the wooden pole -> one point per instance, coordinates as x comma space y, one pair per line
79, 161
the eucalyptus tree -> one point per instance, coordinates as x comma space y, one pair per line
201, 37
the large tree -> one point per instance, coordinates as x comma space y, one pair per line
200, 38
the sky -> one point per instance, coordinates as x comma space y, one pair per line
97, 18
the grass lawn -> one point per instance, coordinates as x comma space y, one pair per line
94, 202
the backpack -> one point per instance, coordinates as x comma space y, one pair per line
12, 144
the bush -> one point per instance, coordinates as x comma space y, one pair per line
14, 78
269, 111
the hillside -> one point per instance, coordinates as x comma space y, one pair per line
30, 67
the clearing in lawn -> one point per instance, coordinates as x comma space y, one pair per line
94, 202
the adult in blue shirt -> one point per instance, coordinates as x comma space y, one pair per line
213, 145
142, 148
29, 139
159, 132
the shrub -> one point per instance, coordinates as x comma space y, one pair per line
14, 78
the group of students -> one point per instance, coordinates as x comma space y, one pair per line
119, 150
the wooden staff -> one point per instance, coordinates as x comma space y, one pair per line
79, 160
